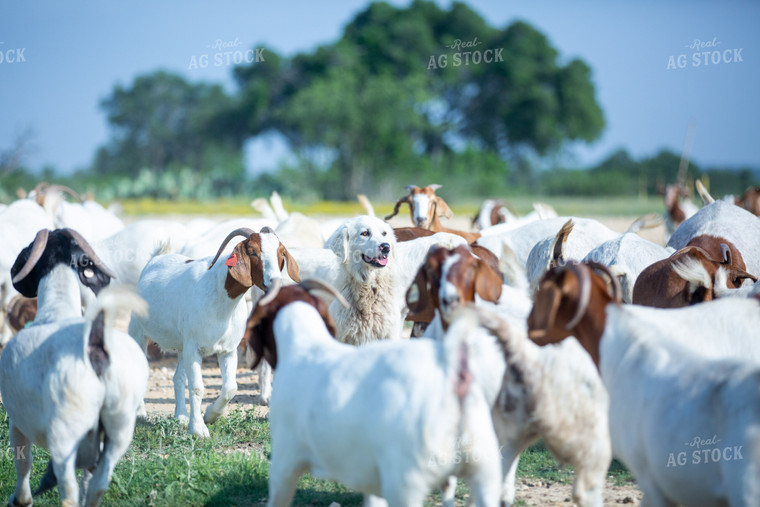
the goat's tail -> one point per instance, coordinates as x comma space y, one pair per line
100, 319
162, 248
646, 222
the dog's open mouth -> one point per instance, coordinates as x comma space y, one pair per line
379, 261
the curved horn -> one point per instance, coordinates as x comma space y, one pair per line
313, 283
65, 189
39, 192
398, 204
584, 280
272, 292
725, 254
40, 241
617, 290
242, 231
88, 251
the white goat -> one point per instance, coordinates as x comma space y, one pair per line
529, 388
68, 383
586, 235
627, 256
197, 308
666, 395
18, 224
390, 419
726, 221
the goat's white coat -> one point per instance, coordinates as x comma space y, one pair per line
53, 396
726, 220
19, 223
628, 255
663, 396
382, 419
586, 235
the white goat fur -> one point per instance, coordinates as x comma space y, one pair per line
382, 419
558, 397
19, 223
726, 220
586, 235
193, 314
55, 399
663, 396
627, 256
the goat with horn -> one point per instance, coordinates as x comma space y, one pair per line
197, 308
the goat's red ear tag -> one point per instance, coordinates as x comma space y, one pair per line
231, 260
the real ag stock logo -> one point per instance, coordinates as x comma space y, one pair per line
705, 451
226, 54
703, 54
465, 53
11, 54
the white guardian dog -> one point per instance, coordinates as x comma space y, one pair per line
368, 280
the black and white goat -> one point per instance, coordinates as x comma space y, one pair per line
70, 384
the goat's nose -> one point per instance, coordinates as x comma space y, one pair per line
385, 248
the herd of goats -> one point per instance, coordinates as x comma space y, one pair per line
534, 327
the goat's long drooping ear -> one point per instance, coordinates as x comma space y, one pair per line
441, 208
338, 243
418, 300
260, 338
558, 244
487, 282
404, 200
544, 313
291, 264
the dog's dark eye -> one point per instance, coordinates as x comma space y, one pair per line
385, 233
365, 233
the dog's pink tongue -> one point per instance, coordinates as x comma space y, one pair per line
382, 260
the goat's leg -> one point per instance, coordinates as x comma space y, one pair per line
119, 429
180, 381
265, 383
64, 465
448, 491
510, 457
22, 450
283, 478
588, 486
228, 366
192, 362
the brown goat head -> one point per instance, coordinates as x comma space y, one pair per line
448, 279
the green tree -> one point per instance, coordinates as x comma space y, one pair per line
162, 122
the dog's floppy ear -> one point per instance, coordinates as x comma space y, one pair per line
418, 298
338, 243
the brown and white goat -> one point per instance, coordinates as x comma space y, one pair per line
426, 208
750, 200
692, 274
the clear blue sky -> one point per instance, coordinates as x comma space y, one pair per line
76, 51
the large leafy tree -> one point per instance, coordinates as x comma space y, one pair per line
163, 122
373, 102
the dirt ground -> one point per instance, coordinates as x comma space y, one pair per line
160, 400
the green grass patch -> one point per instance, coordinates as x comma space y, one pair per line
578, 206
165, 466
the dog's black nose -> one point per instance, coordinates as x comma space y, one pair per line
385, 248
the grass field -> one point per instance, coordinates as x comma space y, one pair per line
579, 206
165, 466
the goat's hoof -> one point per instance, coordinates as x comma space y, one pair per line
183, 420
13, 503
199, 430
261, 400
210, 417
